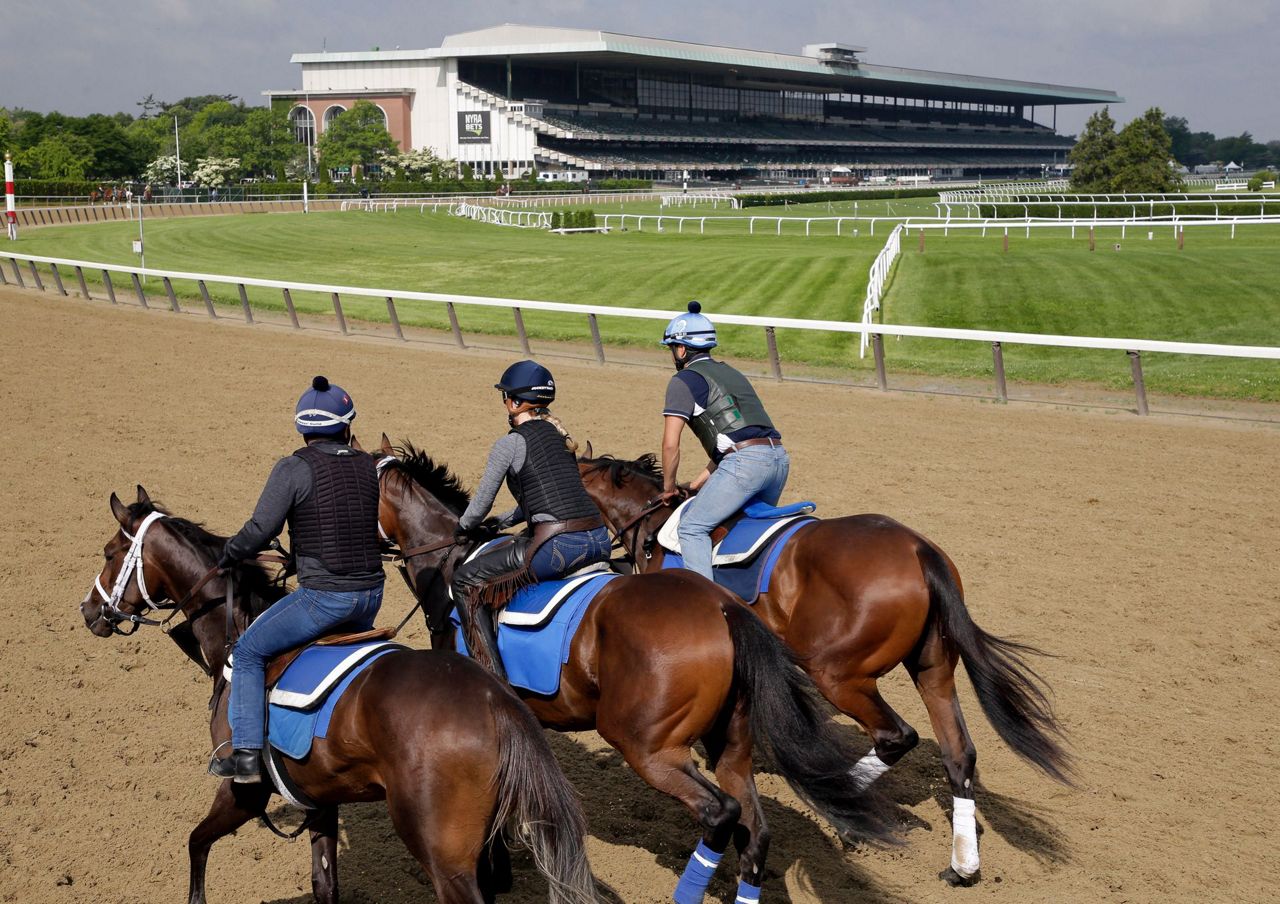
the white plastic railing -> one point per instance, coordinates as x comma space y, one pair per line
876, 282
502, 216
997, 339
700, 198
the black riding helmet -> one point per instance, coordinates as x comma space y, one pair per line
528, 381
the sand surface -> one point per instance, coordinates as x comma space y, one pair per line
1142, 552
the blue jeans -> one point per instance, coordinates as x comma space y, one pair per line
299, 618
757, 472
565, 553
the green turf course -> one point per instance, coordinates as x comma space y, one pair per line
1216, 290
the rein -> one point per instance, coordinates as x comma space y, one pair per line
619, 534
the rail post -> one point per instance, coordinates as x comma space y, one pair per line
57, 278
4, 280
84, 288
111, 290
774, 361
1139, 387
337, 311
595, 337
173, 298
293, 313
137, 288
520, 331
208, 302
453, 324
922, 241
997, 356
1091, 243
877, 346
244, 303
395, 318
1006, 243
35, 275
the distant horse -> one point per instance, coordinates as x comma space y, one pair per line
94, 196
853, 597
658, 663
453, 752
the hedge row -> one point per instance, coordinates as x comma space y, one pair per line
817, 197
1141, 209
573, 219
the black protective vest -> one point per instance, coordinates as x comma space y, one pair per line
549, 482
732, 403
338, 522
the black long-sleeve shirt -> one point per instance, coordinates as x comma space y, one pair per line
291, 483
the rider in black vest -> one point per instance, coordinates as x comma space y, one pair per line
565, 530
327, 492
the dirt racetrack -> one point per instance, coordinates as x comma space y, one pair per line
1143, 552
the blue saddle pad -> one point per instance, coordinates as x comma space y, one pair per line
758, 509
751, 578
301, 704
533, 653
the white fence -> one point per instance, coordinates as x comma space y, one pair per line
881, 267
700, 199
501, 216
996, 340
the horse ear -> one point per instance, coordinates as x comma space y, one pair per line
588, 452
118, 509
386, 446
142, 494
355, 444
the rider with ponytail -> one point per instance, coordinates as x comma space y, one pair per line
565, 530
327, 492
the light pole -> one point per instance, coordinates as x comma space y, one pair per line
177, 153
10, 215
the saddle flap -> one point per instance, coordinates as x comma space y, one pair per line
533, 606
316, 669
277, 666
741, 536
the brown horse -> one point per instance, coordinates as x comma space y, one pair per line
853, 597
452, 751
659, 663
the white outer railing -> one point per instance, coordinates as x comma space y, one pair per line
881, 267
997, 339
502, 216
698, 198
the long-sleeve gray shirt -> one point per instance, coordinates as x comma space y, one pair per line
505, 458
290, 484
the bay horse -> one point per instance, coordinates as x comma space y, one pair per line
453, 752
659, 663
853, 597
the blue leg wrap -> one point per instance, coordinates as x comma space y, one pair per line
697, 875
747, 894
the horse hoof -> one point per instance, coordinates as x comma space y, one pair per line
955, 880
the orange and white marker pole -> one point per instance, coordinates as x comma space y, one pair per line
10, 215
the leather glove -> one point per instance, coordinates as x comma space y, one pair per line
226, 560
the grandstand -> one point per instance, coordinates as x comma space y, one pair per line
511, 98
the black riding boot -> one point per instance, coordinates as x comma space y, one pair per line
484, 633
243, 766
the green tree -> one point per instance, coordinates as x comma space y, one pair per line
6, 131
1142, 155
1093, 154
355, 138
264, 142
66, 156
1179, 137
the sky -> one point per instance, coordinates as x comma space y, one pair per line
1208, 61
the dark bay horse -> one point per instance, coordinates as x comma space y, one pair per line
659, 663
453, 752
853, 597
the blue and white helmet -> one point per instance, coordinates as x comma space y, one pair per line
692, 330
324, 409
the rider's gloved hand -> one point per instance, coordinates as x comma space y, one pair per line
485, 530
226, 560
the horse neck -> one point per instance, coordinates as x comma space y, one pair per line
182, 567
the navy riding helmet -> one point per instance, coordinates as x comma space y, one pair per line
324, 409
527, 381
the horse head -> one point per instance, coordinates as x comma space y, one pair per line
135, 576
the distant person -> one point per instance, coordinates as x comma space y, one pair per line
146, 194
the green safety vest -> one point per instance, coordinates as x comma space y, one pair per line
732, 403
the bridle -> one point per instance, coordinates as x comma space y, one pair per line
133, 565
636, 524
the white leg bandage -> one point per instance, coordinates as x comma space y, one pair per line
868, 769
964, 841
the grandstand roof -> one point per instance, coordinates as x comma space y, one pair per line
750, 67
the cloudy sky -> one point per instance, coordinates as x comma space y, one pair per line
1209, 61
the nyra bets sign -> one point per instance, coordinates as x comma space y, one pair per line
473, 127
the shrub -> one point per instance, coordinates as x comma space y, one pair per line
817, 197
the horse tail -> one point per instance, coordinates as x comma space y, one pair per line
540, 805
1013, 696
790, 722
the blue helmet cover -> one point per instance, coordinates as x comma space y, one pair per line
324, 409
692, 330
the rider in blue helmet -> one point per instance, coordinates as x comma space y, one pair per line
565, 531
327, 492
744, 448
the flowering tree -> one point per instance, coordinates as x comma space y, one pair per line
162, 171
216, 172
423, 163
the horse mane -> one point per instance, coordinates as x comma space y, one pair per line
250, 576
621, 470
434, 477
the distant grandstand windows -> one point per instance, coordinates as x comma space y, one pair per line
331, 114
304, 125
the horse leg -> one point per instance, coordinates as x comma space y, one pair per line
233, 806
324, 857
891, 737
672, 771
494, 869
934, 675
446, 839
729, 755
